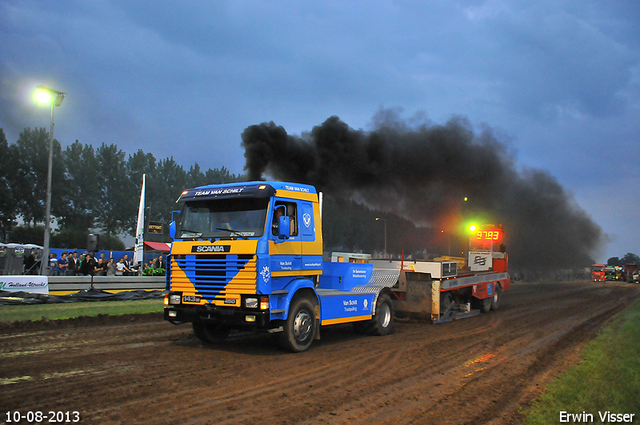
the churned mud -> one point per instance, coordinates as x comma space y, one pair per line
140, 369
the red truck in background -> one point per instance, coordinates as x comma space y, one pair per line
597, 272
630, 272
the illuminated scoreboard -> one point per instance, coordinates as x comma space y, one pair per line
488, 235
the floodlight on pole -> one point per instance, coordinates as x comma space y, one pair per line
46, 95
385, 235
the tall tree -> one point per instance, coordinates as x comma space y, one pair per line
630, 258
31, 157
221, 175
7, 200
195, 176
82, 189
171, 182
111, 178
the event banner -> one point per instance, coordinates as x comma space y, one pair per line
35, 284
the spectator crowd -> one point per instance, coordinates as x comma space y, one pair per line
74, 264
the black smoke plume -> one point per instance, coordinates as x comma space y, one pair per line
424, 172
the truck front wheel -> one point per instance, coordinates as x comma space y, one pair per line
210, 334
300, 326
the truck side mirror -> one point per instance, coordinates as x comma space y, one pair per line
173, 226
284, 228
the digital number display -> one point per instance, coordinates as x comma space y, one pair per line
489, 235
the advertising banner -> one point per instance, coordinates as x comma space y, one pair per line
35, 284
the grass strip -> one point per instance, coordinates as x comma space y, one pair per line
607, 380
12, 313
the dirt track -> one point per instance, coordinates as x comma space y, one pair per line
141, 369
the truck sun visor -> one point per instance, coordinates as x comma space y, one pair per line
242, 191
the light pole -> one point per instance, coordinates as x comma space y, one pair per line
449, 242
385, 235
55, 98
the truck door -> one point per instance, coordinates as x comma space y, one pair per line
286, 255
311, 242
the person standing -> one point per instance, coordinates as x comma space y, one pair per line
82, 265
90, 264
53, 264
72, 270
111, 267
63, 264
127, 265
100, 268
120, 267
30, 263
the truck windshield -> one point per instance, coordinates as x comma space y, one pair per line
225, 218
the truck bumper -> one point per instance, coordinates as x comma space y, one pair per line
231, 317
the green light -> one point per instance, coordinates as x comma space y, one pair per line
43, 96
472, 228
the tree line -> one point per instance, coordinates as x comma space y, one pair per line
629, 257
91, 188
98, 189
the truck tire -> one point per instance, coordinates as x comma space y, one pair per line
300, 326
210, 334
495, 300
483, 305
382, 322
446, 299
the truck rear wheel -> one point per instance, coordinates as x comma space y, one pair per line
209, 333
495, 300
483, 305
382, 322
300, 326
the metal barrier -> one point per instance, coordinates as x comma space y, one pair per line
70, 284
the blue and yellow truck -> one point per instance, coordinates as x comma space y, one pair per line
249, 256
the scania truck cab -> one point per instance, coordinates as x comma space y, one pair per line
249, 256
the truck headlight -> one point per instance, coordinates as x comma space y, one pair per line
251, 302
174, 298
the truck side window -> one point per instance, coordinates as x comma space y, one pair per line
291, 211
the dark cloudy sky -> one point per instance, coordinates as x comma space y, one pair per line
558, 81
